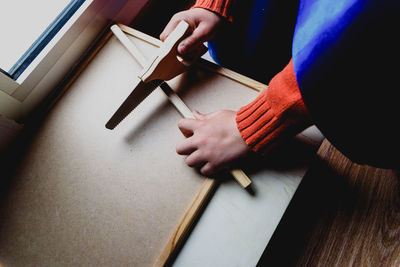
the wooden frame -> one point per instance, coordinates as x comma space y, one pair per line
209, 185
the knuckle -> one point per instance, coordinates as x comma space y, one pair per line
200, 33
209, 169
208, 154
177, 16
179, 149
181, 123
201, 124
190, 162
201, 141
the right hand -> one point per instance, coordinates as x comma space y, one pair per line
204, 24
213, 141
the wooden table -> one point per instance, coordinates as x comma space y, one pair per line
343, 214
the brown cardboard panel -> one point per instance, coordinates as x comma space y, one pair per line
89, 196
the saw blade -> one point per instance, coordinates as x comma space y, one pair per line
141, 91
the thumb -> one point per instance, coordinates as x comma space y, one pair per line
169, 28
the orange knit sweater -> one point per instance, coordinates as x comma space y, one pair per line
278, 112
222, 7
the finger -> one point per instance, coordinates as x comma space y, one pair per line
189, 58
198, 115
186, 147
169, 28
186, 133
208, 169
187, 125
195, 159
191, 42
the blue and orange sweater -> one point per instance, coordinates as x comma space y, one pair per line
342, 74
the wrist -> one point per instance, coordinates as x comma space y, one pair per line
277, 113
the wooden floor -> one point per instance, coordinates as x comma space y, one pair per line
342, 214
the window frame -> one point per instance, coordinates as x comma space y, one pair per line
18, 98
33, 51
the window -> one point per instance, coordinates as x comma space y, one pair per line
30, 26
69, 30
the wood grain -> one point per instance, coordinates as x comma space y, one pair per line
343, 214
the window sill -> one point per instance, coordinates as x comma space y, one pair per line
19, 98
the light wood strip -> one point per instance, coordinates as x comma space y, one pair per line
186, 222
142, 36
237, 77
241, 177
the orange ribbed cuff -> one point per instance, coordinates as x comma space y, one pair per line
276, 113
221, 7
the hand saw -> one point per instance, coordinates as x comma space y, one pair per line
135, 98
165, 65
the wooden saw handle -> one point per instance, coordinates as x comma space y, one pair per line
167, 64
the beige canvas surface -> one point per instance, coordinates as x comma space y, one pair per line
85, 195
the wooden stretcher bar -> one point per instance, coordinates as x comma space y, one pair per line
209, 184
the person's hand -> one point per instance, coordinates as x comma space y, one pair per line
213, 141
204, 25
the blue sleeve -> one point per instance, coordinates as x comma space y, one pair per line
345, 55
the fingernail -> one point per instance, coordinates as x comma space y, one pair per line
181, 48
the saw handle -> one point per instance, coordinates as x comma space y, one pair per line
167, 64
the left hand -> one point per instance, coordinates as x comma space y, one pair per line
204, 23
213, 141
